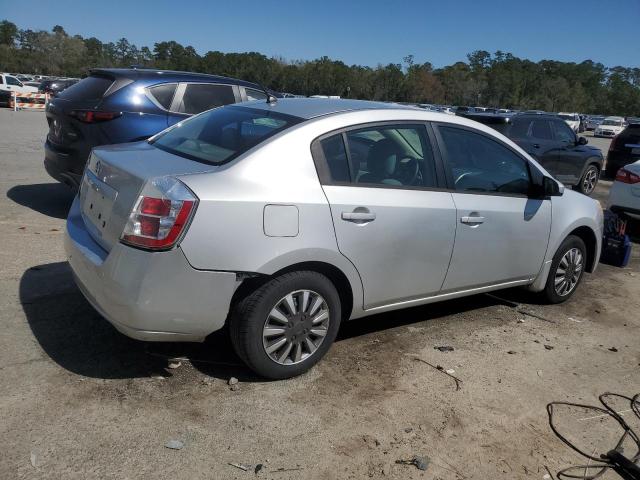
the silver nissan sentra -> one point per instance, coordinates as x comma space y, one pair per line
283, 219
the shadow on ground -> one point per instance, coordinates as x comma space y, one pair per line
52, 199
77, 338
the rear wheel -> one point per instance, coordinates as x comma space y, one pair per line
566, 271
287, 325
589, 180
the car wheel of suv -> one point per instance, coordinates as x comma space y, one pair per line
566, 271
589, 180
287, 325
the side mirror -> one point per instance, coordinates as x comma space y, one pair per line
582, 141
552, 188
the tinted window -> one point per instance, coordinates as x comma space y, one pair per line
200, 97
520, 128
255, 94
541, 129
392, 155
219, 135
163, 94
1, 80
563, 132
13, 81
335, 156
480, 164
91, 88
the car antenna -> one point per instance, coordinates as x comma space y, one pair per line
271, 99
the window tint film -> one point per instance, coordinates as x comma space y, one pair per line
91, 88
392, 155
163, 94
13, 81
255, 94
563, 132
336, 157
520, 128
541, 129
222, 134
479, 164
200, 97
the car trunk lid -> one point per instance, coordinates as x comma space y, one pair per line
112, 182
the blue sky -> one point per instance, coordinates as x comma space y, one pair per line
357, 32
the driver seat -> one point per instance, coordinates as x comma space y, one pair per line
382, 161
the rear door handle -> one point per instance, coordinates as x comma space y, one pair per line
472, 220
358, 216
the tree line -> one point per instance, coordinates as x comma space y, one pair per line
494, 80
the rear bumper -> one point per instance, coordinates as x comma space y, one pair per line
65, 167
624, 198
152, 296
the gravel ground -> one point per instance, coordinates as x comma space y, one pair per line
78, 400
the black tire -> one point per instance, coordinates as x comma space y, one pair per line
250, 314
589, 180
550, 293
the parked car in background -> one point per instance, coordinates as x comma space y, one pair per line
593, 122
624, 195
624, 149
55, 87
126, 105
610, 127
572, 119
549, 140
9, 83
285, 219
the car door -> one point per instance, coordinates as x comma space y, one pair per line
569, 157
193, 98
391, 219
502, 233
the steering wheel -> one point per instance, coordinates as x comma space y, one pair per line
407, 170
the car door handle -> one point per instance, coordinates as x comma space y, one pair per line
358, 216
473, 220
536, 145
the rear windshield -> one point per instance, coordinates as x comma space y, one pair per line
91, 88
615, 123
219, 135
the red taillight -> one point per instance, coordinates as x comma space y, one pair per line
160, 215
625, 176
94, 116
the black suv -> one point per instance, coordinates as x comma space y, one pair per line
624, 148
549, 140
126, 105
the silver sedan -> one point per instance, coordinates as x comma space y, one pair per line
283, 219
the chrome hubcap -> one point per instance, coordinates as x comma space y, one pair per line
590, 180
568, 272
296, 327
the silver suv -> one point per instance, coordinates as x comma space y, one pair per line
283, 219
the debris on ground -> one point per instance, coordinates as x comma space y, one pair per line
548, 347
512, 352
521, 320
33, 459
173, 364
451, 371
440, 369
613, 349
246, 468
258, 468
421, 463
158, 377
408, 430
444, 348
174, 444
233, 381
235, 387
207, 381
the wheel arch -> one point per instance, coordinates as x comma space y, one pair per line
588, 236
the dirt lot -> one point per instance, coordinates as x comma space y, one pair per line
78, 400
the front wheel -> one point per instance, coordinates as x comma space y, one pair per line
566, 270
589, 180
287, 325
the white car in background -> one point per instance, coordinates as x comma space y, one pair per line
9, 83
610, 127
624, 195
572, 119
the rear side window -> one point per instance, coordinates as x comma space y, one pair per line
91, 88
1, 79
219, 135
480, 164
163, 94
199, 97
541, 129
253, 94
520, 128
336, 157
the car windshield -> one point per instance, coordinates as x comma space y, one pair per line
219, 135
616, 123
568, 117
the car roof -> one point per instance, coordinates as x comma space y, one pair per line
308, 108
171, 76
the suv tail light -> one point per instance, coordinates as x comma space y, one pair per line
94, 116
161, 215
625, 176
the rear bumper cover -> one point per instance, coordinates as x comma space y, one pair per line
152, 296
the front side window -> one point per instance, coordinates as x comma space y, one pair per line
220, 135
563, 132
480, 164
199, 97
13, 81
